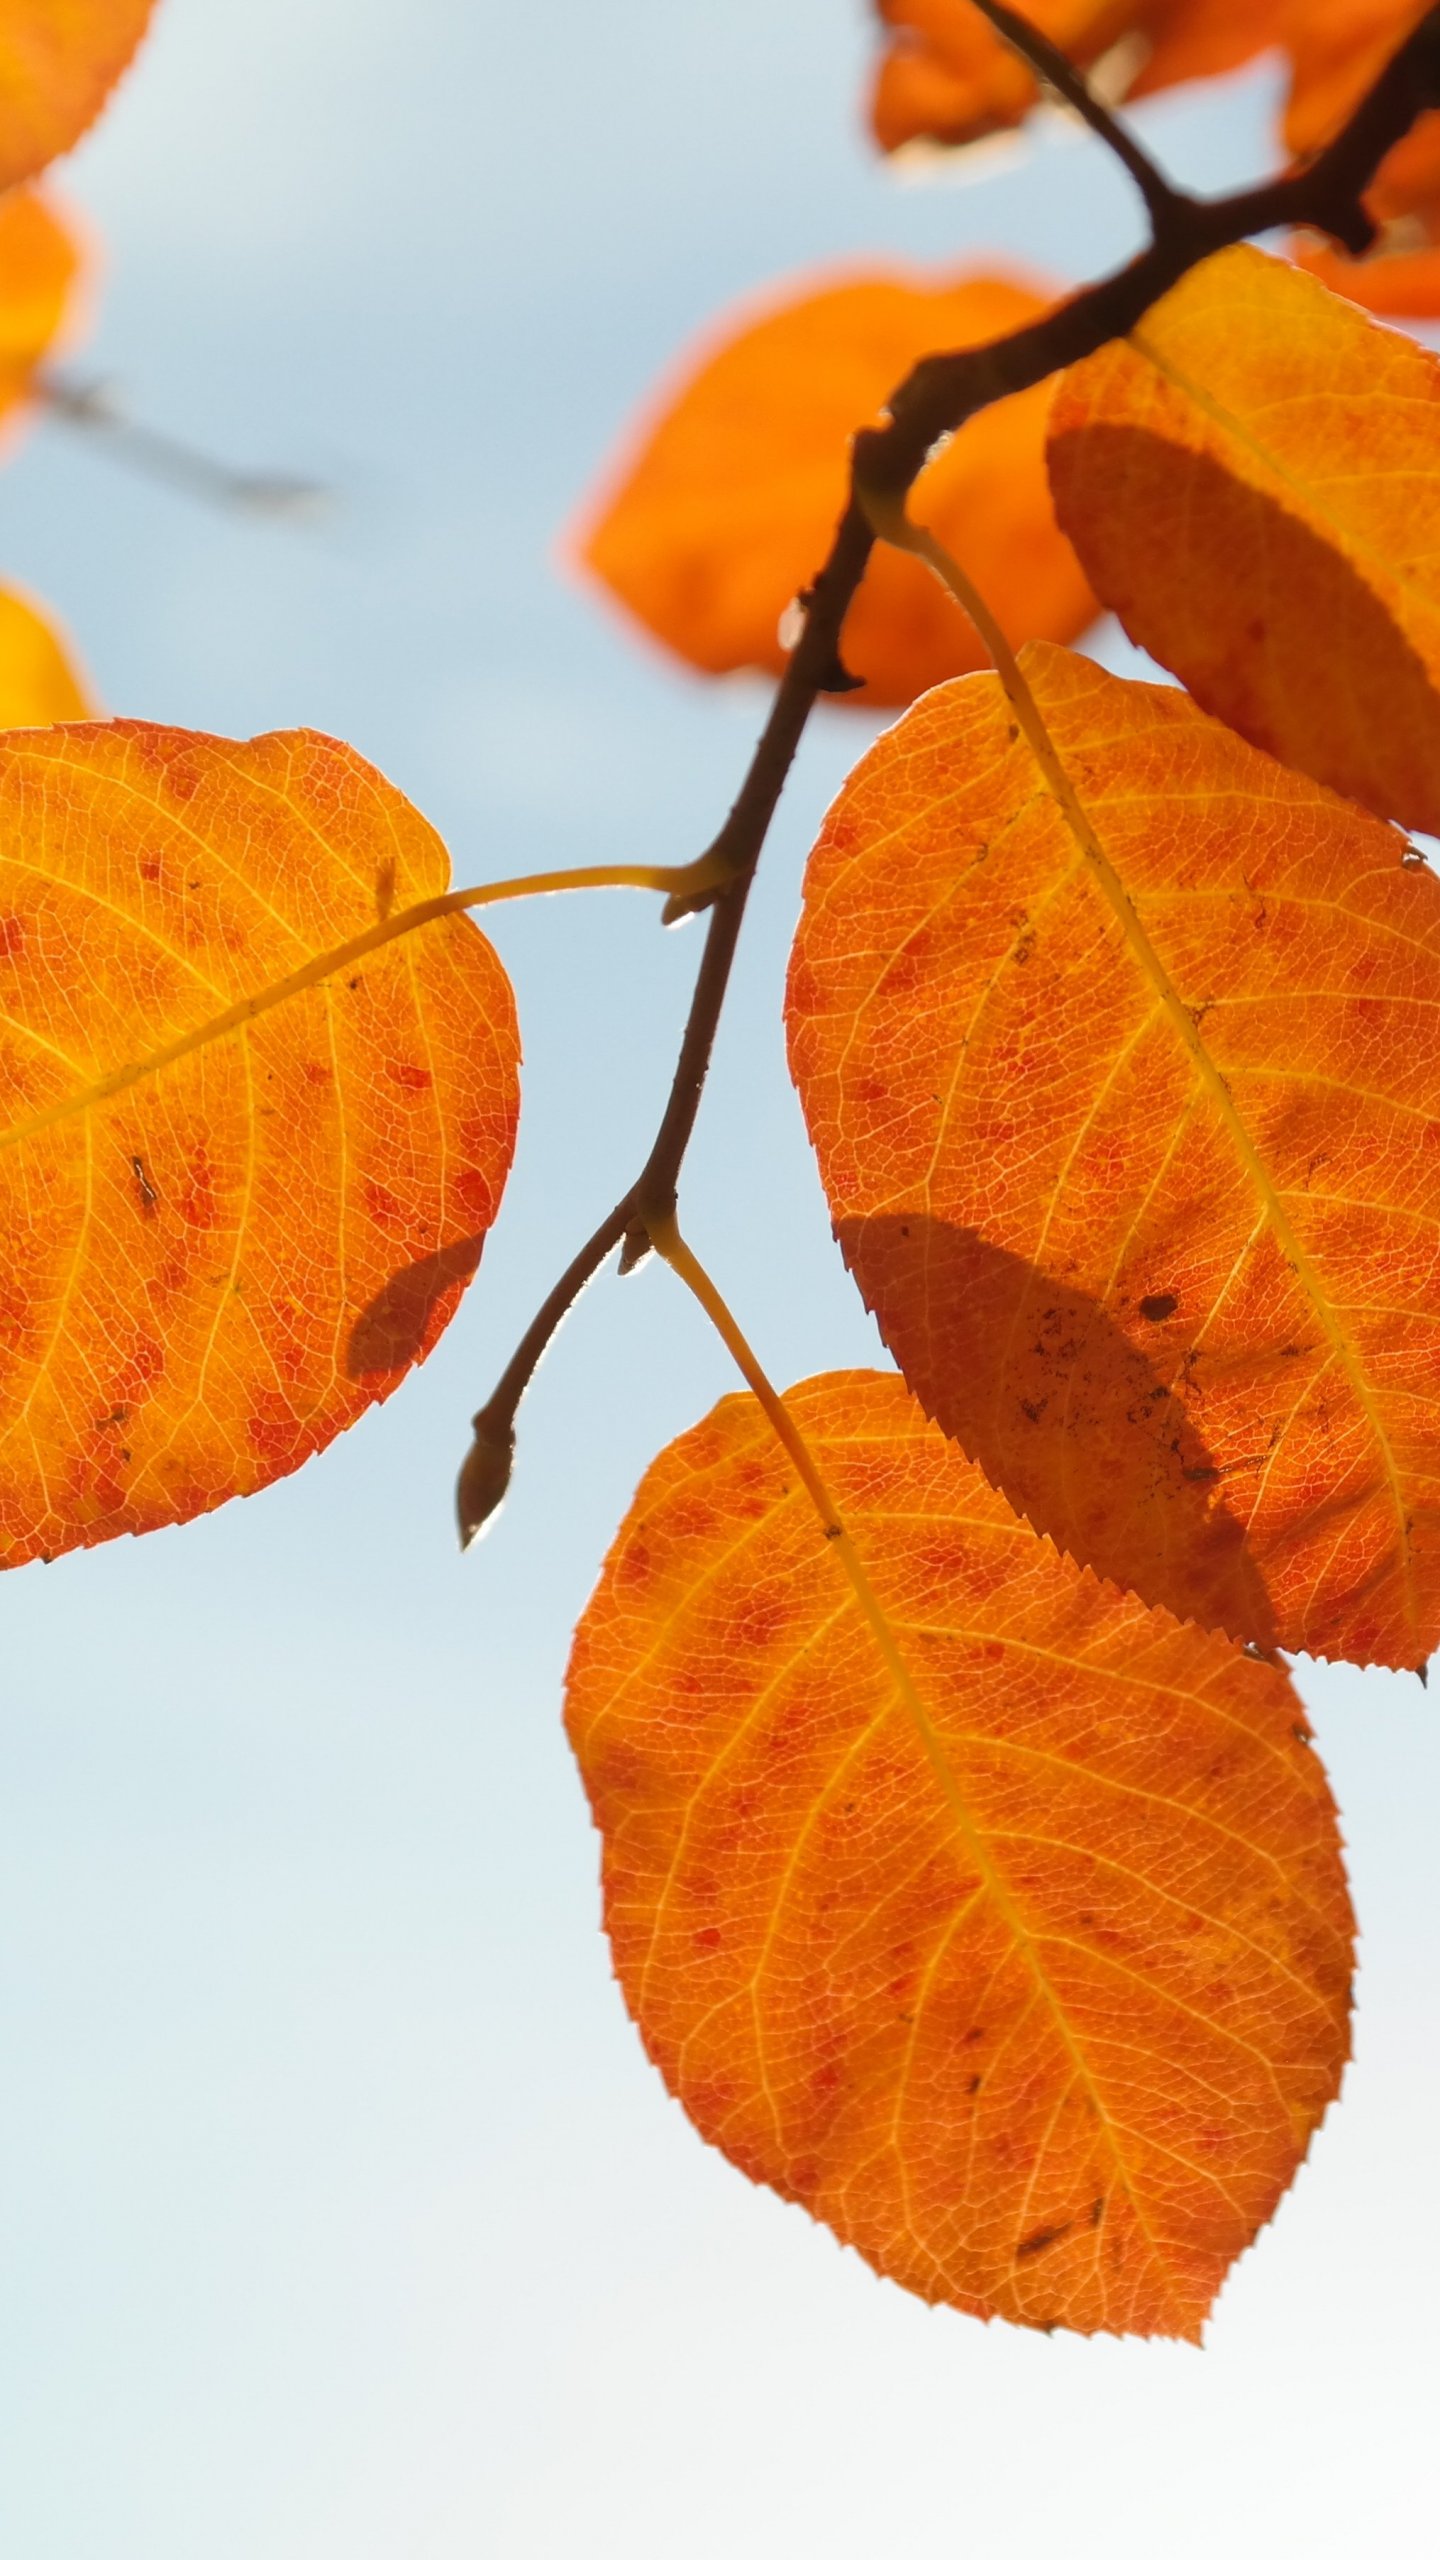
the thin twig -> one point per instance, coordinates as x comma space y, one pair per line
1163, 203
936, 398
92, 407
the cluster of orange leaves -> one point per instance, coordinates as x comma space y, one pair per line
946, 78
977, 1888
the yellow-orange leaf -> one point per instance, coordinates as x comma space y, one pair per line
39, 683
39, 263
1253, 483
59, 60
232, 1222
725, 509
947, 77
1132, 1141
1030, 1977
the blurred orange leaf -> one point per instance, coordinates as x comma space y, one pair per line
39, 264
232, 1222
947, 77
39, 682
59, 60
1251, 480
1395, 284
724, 508
1030, 1978
1338, 48
1133, 1146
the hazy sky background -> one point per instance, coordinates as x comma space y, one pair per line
341, 2217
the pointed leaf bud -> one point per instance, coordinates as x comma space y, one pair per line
484, 1479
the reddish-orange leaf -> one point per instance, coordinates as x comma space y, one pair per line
59, 60
39, 682
1253, 483
724, 510
1133, 1145
39, 263
947, 77
232, 1221
1025, 1965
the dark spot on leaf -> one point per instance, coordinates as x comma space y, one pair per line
1097, 2212
1155, 1309
1043, 2239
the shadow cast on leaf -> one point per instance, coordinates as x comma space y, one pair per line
1079, 1426
404, 1319
1363, 721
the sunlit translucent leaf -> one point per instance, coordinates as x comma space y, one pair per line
39, 263
39, 682
222, 1243
1136, 1155
1032, 1982
59, 60
726, 506
1253, 483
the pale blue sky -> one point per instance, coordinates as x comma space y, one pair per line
340, 2215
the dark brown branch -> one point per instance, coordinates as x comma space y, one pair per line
1162, 201
942, 392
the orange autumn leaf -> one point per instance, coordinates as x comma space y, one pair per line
1252, 480
946, 75
1199, 39
39, 264
1031, 1977
1399, 284
232, 1222
1337, 50
724, 509
1132, 1142
39, 682
59, 60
